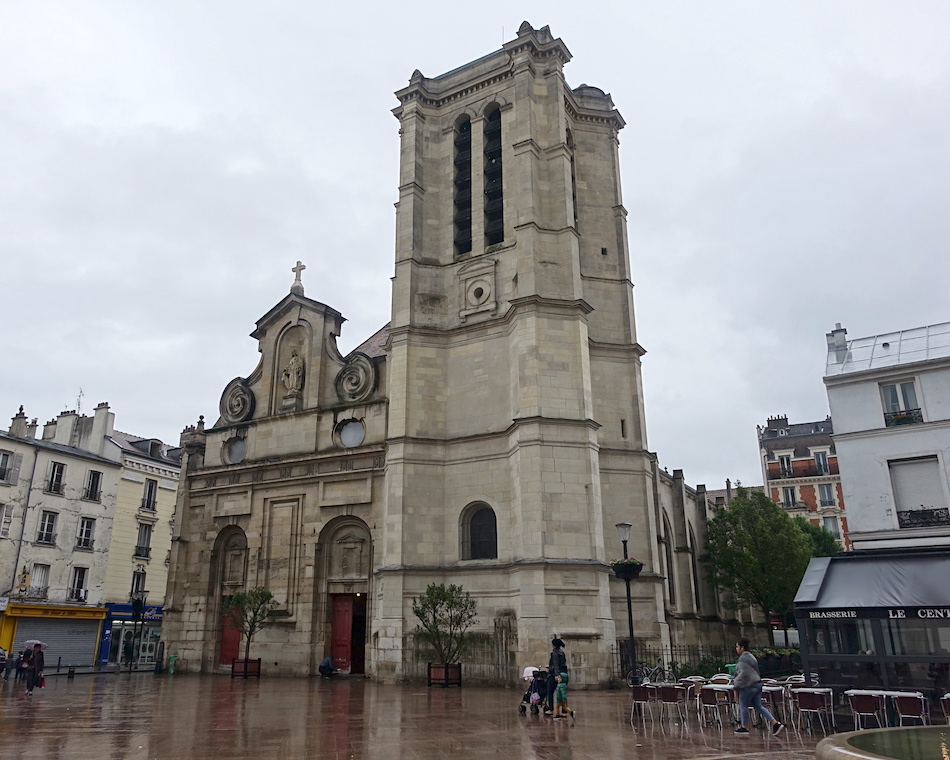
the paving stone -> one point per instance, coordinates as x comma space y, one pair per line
188, 716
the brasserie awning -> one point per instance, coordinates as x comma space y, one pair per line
876, 581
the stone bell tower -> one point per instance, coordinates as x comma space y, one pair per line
516, 429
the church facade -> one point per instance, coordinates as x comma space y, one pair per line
491, 435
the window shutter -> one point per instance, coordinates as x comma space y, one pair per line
14, 475
917, 484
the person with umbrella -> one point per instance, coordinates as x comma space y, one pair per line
35, 664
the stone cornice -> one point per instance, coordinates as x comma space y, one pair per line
515, 305
466, 566
896, 430
617, 347
515, 424
419, 94
611, 118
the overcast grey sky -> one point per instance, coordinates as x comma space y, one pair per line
164, 165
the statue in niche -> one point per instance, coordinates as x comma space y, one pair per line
293, 374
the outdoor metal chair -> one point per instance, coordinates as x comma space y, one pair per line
642, 696
867, 706
774, 701
721, 678
912, 707
714, 701
697, 683
673, 696
812, 703
945, 704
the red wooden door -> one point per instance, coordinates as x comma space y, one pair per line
341, 631
230, 641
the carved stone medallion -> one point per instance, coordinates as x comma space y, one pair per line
237, 402
357, 380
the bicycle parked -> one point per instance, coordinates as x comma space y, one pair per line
645, 674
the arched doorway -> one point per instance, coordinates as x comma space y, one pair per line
230, 566
347, 549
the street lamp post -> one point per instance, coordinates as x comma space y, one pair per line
137, 600
623, 531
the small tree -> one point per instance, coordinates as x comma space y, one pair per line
823, 542
445, 613
248, 611
757, 553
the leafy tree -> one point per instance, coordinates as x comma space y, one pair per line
247, 611
445, 613
823, 543
757, 553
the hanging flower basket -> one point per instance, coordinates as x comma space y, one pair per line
626, 569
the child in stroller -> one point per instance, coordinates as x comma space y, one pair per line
534, 697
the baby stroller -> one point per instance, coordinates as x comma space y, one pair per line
534, 697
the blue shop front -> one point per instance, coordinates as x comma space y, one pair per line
125, 640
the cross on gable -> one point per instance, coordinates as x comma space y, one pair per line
297, 287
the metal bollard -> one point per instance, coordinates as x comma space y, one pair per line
71, 673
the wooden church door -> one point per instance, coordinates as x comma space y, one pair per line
230, 641
341, 631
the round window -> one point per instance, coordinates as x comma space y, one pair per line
351, 433
236, 449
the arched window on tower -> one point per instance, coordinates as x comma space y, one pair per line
694, 565
463, 187
570, 147
667, 541
494, 196
479, 533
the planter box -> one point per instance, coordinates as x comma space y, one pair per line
445, 674
246, 668
627, 572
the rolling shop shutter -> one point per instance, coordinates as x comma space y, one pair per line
71, 642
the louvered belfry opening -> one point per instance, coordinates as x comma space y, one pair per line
463, 188
494, 198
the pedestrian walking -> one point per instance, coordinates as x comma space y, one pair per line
749, 683
557, 663
34, 669
561, 709
22, 663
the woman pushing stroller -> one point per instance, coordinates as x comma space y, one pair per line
557, 663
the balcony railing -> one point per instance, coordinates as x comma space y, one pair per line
907, 417
827, 502
142, 551
33, 592
805, 471
92, 494
84, 543
149, 503
77, 594
54, 486
46, 538
923, 518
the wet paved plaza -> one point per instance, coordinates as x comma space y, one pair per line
182, 716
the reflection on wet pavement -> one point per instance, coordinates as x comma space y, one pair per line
182, 716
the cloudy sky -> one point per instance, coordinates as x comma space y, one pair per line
786, 166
